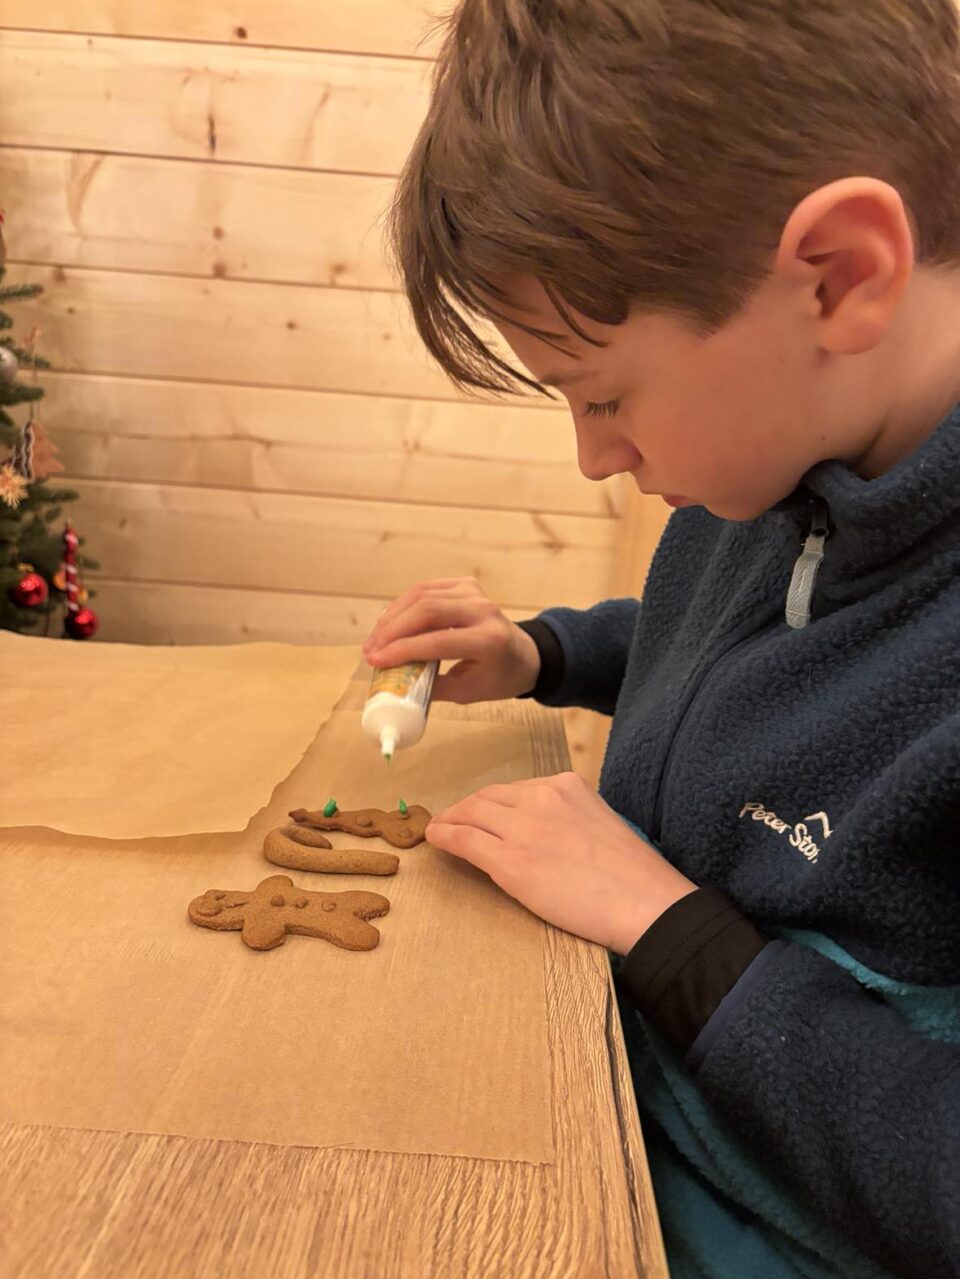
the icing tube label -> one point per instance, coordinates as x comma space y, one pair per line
414, 680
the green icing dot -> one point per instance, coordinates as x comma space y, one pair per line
329, 808
403, 808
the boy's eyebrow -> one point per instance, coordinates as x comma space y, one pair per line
563, 379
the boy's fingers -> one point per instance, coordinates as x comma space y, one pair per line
466, 842
534, 781
436, 586
431, 614
444, 582
480, 811
446, 645
409, 598
502, 794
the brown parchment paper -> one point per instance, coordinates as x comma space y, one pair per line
124, 741
117, 1013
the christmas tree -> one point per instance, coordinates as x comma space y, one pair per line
38, 558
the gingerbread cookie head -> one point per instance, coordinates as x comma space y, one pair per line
277, 907
220, 905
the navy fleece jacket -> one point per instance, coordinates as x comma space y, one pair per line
810, 771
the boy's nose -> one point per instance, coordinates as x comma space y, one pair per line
600, 464
595, 472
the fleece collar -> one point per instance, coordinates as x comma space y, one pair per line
875, 522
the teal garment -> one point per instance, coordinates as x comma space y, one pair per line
933, 1011
707, 1237
723, 1214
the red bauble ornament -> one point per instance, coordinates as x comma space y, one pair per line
30, 592
80, 623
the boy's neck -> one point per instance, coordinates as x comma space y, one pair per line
918, 369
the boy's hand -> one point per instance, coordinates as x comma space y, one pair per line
557, 847
451, 619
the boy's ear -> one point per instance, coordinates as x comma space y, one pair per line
849, 246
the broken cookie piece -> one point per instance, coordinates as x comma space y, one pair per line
302, 848
401, 829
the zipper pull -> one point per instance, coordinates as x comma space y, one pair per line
800, 593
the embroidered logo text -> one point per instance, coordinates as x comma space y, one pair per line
798, 834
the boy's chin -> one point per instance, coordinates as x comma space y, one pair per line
738, 511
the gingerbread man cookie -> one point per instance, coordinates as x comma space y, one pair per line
277, 907
285, 847
403, 827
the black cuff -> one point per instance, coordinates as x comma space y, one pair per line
551, 658
687, 960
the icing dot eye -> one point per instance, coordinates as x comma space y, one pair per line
328, 905
277, 900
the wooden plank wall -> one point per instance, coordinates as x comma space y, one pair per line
262, 448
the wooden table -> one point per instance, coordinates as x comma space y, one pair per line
79, 1204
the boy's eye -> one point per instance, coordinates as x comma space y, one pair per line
601, 410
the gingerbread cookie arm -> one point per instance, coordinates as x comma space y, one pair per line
264, 930
343, 920
285, 847
261, 932
402, 829
306, 835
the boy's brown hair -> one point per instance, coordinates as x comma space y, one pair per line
647, 153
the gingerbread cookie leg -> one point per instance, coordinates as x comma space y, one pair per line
276, 907
404, 828
285, 847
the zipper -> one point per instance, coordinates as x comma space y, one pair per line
798, 606
804, 579
752, 633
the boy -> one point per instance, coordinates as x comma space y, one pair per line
728, 230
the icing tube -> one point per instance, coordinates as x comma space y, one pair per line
397, 705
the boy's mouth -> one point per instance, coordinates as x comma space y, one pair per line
671, 499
